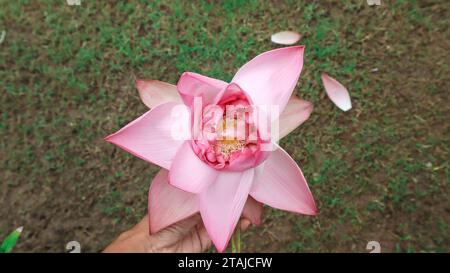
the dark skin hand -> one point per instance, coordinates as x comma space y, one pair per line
188, 235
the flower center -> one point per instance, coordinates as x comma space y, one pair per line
226, 136
227, 147
228, 141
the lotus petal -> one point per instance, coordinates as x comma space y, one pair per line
154, 93
337, 93
285, 37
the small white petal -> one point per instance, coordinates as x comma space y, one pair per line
337, 93
285, 37
19, 229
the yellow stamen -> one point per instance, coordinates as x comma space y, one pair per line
225, 145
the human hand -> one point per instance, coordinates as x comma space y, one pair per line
188, 235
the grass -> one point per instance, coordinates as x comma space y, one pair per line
379, 172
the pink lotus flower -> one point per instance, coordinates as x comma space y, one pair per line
222, 178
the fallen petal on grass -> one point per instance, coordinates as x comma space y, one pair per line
337, 93
285, 38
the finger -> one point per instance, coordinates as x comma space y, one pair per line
197, 241
204, 238
245, 223
133, 240
142, 225
178, 231
185, 226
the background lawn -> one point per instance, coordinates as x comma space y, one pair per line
378, 172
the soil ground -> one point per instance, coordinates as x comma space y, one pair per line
379, 172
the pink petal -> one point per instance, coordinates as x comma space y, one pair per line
154, 93
253, 211
296, 112
285, 37
283, 186
221, 205
188, 172
192, 85
337, 93
167, 204
231, 92
149, 136
270, 78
